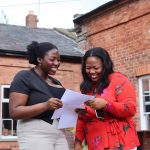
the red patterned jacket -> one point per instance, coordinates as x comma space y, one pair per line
117, 131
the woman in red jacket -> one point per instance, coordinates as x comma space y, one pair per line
107, 122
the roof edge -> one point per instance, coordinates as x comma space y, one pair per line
11, 53
101, 8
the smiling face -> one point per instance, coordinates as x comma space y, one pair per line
93, 68
50, 62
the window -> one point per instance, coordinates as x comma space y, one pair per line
144, 97
8, 129
147, 101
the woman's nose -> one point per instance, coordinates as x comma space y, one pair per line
56, 62
92, 71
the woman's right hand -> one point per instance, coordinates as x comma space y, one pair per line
78, 146
18, 108
97, 103
54, 103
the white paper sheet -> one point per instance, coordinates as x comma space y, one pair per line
71, 100
68, 118
74, 98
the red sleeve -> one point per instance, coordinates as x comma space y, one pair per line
80, 133
125, 104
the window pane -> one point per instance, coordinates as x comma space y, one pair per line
6, 93
146, 94
149, 122
147, 102
146, 85
147, 98
147, 107
8, 124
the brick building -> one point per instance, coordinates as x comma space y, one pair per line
14, 40
123, 28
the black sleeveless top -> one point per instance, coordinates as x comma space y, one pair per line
30, 83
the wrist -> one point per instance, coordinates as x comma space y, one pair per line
106, 105
46, 106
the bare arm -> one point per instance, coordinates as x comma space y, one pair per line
19, 110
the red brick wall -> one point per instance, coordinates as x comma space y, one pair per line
68, 74
9, 145
125, 32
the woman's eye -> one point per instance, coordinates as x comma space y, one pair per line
51, 59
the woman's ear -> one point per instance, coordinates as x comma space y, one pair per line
39, 60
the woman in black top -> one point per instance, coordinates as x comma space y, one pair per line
34, 95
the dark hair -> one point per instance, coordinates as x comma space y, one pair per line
103, 55
38, 50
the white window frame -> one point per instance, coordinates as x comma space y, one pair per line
9, 137
144, 116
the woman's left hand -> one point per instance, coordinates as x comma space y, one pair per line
97, 103
81, 112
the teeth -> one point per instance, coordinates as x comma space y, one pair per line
93, 76
54, 67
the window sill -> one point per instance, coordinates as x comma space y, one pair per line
8, 138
